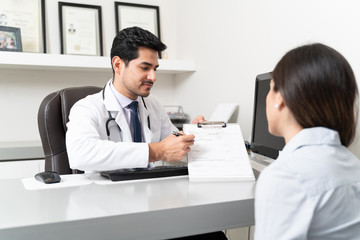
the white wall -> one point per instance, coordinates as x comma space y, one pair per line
232, 41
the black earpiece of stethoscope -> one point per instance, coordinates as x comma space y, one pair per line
110, 118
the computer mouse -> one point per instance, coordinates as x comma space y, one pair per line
48, 177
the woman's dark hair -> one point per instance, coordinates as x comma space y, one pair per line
128, 41
319, 87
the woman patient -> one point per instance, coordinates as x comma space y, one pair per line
312, 191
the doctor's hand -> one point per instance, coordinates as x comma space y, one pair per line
171, 149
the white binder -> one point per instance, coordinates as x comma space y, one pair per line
218, 153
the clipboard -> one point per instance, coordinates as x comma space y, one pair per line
218, 153
211, 124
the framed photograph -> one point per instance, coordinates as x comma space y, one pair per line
144, 16
10, 39
80, 29
29, 17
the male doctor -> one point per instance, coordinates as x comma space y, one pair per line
122, 126
105, 132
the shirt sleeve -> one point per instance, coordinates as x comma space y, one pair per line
282, 209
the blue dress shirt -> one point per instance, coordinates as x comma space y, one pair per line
312, 191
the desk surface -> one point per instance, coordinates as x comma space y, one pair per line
153, 209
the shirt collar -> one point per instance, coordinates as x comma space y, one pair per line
312, 136
122, 100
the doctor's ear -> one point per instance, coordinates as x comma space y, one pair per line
117, 64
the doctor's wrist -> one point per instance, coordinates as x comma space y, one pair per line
155, 150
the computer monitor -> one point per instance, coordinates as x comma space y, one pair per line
262, 142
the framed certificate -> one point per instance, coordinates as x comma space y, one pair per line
29, 17
10, 39
144, 16
80, 29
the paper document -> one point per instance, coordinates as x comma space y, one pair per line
218, 154
223, 112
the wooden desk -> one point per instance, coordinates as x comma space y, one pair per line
152, 209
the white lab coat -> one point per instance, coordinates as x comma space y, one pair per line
90, 149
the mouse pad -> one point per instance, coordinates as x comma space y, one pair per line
70, 180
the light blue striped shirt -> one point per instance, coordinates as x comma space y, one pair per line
312, 191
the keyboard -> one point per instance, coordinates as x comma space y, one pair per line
145, 173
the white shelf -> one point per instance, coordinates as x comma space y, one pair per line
40, 61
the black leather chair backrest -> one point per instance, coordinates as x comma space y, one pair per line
52, 118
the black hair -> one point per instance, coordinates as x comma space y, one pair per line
128, 41
319, 87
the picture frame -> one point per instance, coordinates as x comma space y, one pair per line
144, 16
80, 29
10, 39
29, 17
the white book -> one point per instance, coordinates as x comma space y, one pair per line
218, 154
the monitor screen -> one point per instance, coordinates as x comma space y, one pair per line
262, 142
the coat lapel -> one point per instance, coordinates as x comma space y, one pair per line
116, 111
144, 114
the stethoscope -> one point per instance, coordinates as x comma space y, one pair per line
110, 118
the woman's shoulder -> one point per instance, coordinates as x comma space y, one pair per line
319, 168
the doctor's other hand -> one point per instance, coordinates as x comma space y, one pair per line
198, 119
171, 149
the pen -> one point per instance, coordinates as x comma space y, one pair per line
177, 133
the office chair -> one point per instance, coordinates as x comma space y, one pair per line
53, 115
